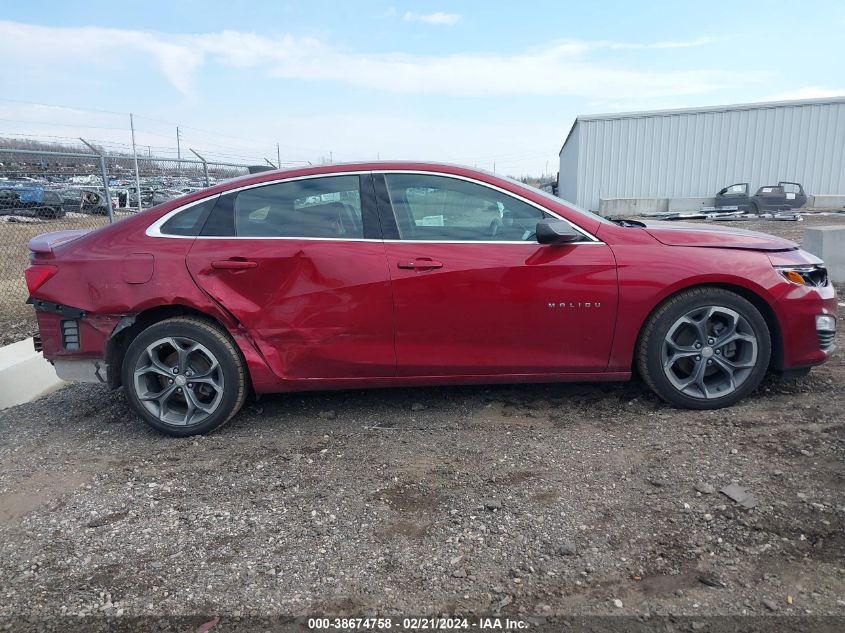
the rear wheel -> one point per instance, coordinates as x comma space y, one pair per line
184, 376
705, 348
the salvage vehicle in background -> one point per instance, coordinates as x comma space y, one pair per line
84, 200
785, 196
127, 196
404, 273
28, 199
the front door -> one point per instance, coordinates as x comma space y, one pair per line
475, 294
735, 195
301, 265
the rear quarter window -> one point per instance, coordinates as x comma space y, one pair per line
189, 222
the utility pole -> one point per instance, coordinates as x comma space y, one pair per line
278, 156
135, 158
331, 159
178, 152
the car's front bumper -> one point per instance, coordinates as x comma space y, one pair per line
804, 343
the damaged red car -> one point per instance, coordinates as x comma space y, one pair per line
389, 274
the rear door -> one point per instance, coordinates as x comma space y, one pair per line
301, 264
794, 195
474, 292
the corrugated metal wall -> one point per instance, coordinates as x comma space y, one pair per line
694, 154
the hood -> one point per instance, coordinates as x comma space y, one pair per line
709, 236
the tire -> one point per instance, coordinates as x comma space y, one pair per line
184, 376
704, 348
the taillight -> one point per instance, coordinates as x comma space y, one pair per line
37, 275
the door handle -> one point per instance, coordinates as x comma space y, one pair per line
420, 263
233, 264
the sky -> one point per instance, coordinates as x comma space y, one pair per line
491, 84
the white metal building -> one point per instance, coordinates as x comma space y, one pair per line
692, 153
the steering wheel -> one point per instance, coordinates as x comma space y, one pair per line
499, 225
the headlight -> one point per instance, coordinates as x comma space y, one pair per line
809, 275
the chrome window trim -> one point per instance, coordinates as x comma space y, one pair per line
154, 230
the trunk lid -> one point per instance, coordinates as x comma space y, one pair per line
45, 243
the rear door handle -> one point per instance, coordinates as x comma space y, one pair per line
420, 263
234, 264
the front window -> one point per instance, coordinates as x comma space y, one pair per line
440, 208
555, 199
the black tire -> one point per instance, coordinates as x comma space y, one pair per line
655, 340
226, 386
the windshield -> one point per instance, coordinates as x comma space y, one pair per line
554, 198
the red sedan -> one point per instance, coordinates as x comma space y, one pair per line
387, 274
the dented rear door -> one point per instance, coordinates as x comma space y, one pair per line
300, 264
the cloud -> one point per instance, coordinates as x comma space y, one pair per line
438, 18
559, 68
701, 41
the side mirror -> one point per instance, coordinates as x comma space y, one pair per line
556, 232
722, 192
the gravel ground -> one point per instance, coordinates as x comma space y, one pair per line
533, 501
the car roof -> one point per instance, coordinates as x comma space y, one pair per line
376, 165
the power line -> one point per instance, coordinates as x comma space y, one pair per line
145, 117
91, 127
53, 105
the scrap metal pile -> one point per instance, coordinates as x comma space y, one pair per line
783, 202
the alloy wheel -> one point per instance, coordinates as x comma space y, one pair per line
709, 352
178, 380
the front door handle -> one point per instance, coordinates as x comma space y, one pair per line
420, 263
234, 264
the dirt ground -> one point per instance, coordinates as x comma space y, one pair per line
531, 502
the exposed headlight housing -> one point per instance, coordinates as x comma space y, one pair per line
825, 323
807, 275
826, 331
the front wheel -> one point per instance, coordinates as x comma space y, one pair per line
704, 348
184, 376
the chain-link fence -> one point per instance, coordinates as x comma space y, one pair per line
44, 191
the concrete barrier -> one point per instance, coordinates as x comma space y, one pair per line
689, 205
828, 242
24, 374
631, 206
826, 202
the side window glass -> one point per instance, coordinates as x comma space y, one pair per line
189, 222
448, 209
328, 207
